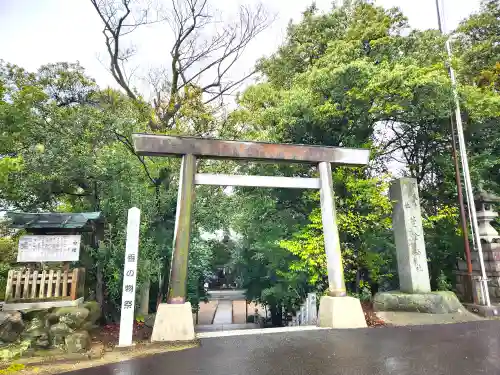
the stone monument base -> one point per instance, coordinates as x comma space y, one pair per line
431, 303
481, 310
340, 312
173, 322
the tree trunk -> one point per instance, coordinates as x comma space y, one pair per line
144, 298
99, 287
276, 315
358, 281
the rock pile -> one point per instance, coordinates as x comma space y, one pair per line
66, 328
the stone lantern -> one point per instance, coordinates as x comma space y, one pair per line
485, 215
490, 244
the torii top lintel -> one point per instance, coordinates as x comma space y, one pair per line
163, 145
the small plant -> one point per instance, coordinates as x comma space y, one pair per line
442, 282
13, 368
365, 294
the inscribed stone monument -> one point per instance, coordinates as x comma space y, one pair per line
409, 237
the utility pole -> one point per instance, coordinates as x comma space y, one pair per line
468, 290
465, 168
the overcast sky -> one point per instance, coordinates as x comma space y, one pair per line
36, 32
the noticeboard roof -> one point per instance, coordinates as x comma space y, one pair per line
52, 219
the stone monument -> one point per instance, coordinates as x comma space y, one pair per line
415, 291
409, 237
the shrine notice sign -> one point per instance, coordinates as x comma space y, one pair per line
62, 248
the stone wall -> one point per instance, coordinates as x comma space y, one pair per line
67, 328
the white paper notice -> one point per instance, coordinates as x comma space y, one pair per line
40, 248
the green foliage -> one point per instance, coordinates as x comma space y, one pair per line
356, 76
363, 217
66, 146
12, 369
479, 46
443, 283
443, 244
8, 254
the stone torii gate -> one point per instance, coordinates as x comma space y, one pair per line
174, 319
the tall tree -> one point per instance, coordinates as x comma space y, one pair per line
203, 54
359, 76
66, 147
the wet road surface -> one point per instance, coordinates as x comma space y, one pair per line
454, 349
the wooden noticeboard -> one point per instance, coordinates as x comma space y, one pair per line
48, 248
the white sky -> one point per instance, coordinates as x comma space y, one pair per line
36, 32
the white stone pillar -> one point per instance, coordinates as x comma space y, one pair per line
312, 309
306, 304
129, 277
409, 237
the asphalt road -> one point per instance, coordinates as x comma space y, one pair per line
468, 348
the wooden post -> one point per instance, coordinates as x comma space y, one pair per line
65, 283
26, 286
182, 232
34, 285
74, 284
80, 289
42, 285
18, 284
57, 283
8, 291
336, 284
50, 284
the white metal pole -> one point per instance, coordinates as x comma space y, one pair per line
443, 29
466, 172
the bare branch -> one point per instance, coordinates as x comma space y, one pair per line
204, 53
119, 20
128, 144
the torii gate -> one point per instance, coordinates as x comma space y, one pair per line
174, 318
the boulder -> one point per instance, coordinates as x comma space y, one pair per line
89, 326
58, 332
37, 331
57, 341
78, 342
74, 317
40, 339
40, 314
94, 311
52, 318
60, 329
36, 324
11, 325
